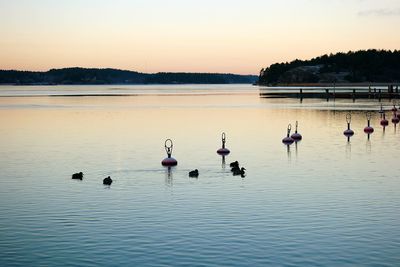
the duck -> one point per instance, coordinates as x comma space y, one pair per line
194, 173
239, 172
107, 181
77, 176
235, 168
234, 164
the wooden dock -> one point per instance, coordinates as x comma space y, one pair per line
392, 92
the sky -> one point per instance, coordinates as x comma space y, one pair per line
227, 36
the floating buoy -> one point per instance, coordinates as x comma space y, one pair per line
368, 129
384, 121
348, 132
169, 161
296, 136
288, 140
223, 150
395, 119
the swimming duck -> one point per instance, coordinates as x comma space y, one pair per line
235, 168
77, 176
194, 173
107, 181
234, 164
239, 172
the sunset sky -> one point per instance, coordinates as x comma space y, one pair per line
191, 36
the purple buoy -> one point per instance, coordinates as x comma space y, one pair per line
384, 121
169, 161
395, 119
348, 132
288, 140
296, 136
223, 151
368, 129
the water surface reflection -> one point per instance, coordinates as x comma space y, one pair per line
323, 201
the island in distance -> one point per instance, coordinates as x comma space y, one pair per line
115, 76
363, 66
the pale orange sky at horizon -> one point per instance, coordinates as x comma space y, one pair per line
189, 36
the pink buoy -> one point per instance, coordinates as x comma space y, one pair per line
384, 121
296, 136
169, 161
223, 151
368, 129
395, 118
288, 140
348, 132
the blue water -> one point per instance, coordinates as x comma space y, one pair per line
321, 202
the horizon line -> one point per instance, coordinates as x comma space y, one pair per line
110, 68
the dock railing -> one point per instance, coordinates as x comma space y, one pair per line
361, 92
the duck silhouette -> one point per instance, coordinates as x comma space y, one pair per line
107, 181
234, 164
239, 171
77, 176
235, 168
194, 173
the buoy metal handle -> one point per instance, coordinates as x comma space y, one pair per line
223, 139
297, 124
348, 117
348, 120
368, 115
168, 147
289, 128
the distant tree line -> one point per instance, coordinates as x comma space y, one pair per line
115, 76
360, 66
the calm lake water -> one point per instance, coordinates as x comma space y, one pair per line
321, 202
